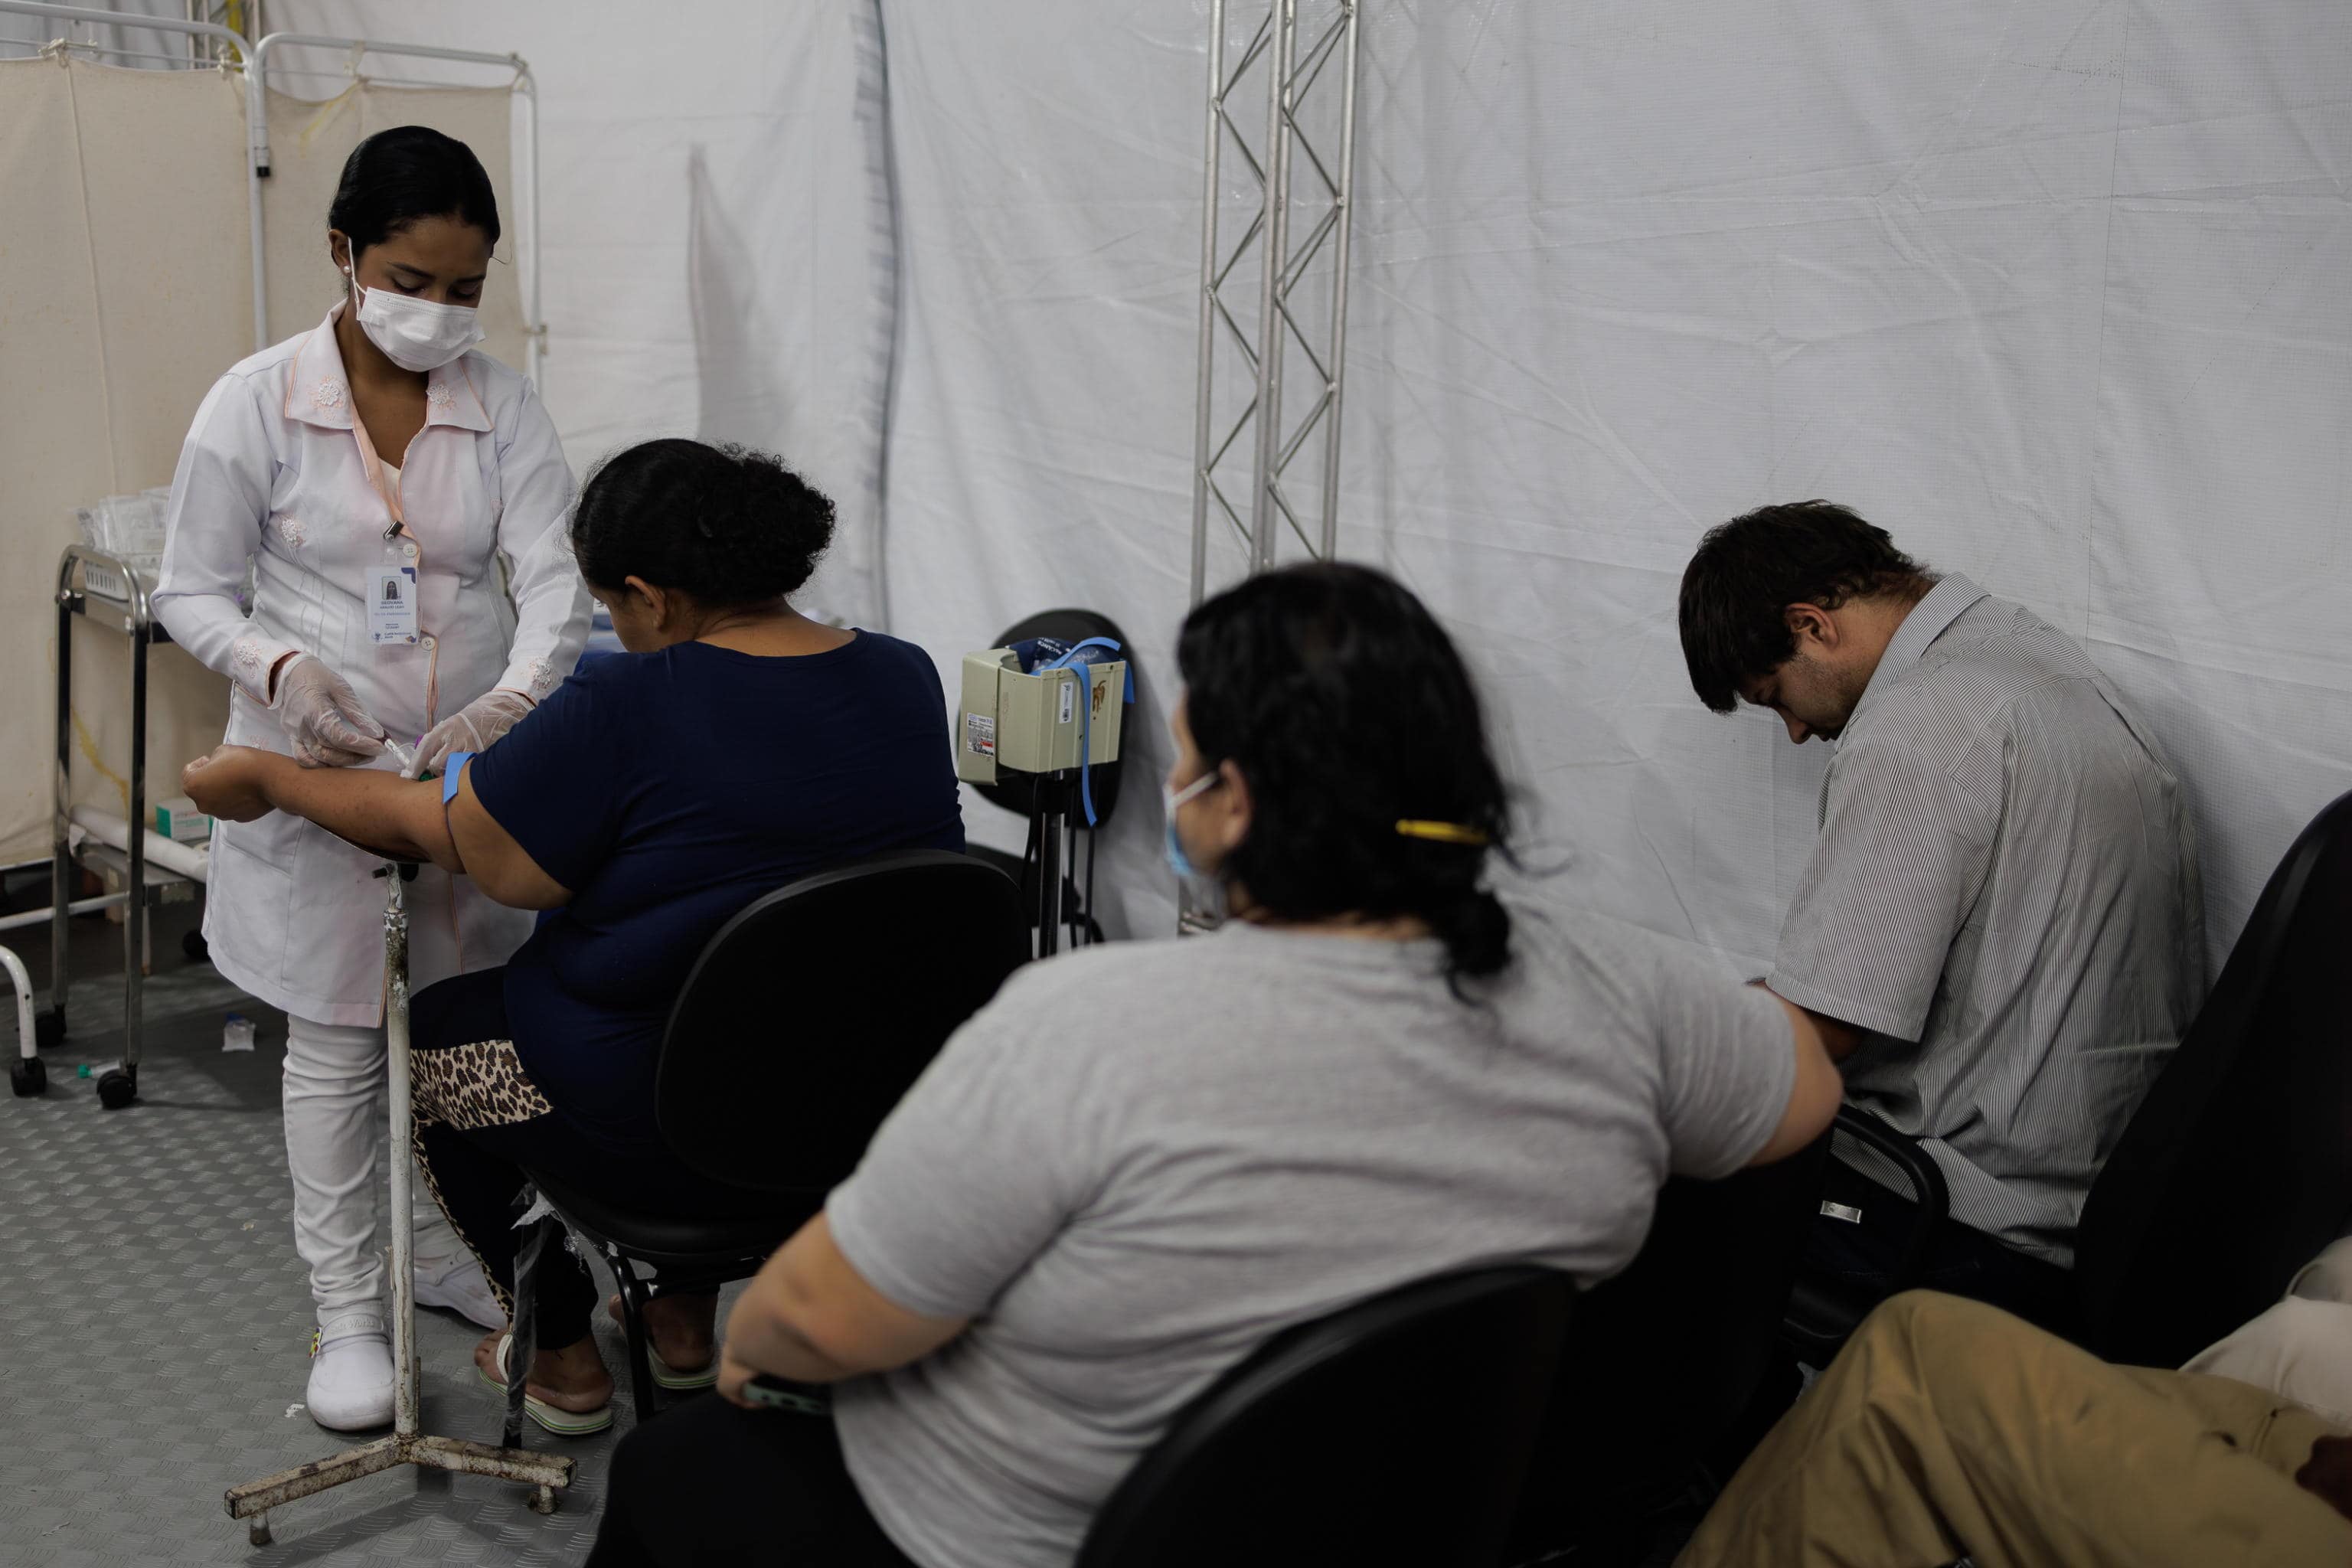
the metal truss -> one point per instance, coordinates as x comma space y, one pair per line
1274, 298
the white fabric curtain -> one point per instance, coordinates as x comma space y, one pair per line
2055, 293
122, 298
308, 142
717, 227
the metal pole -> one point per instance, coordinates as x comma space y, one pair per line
61, 800
121, 20
44, 917
1049, 864
404, 1239
134, 913
406, 1445
1347, 206
1203, 422
535, 344
257, 168
1275, 239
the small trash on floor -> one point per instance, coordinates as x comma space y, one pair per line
237, 1033
292, 1411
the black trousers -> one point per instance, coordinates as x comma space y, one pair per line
1964, 1261
480, 1124
712, 1483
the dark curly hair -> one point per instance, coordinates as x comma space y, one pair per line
1737, 589
721, 524
1348, 709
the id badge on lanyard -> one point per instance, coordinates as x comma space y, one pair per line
391, 596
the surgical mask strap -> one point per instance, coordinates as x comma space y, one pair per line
1193, 791
1170, 799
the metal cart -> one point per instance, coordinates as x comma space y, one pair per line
107, 591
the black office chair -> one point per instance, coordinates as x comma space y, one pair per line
2237, 1168
1664, 1360
2234, 1171
804, 1021
1822, 1312
1396, 1430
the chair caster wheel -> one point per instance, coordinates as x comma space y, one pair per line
118, 1086
542, 1499
28, 1076
49, 1028
257, 1531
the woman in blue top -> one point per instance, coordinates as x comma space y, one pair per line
737, 746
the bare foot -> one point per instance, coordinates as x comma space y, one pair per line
684, 1328
569, 1378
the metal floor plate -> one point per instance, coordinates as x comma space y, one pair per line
154, 1321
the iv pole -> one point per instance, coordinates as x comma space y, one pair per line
407, 1445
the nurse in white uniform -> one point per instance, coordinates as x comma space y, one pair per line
376, 471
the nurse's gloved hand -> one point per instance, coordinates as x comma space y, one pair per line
471, 729
322, 717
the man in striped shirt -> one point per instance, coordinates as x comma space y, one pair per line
2000, 930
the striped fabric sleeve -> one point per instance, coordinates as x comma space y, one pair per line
1907, 841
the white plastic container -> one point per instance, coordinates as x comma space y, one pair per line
237, 1034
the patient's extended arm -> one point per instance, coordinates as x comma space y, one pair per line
400, 819
395, 818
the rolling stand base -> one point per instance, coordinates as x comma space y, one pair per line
543, 1473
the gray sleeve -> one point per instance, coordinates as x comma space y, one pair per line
1903, 851
971, 1177
1727, 1064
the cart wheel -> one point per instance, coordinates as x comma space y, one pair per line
193, 943
118, 1086
28, 1076
542, 1499
49, 1028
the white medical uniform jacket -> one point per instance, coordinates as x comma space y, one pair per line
277, 467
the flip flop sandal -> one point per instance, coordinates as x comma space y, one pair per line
665, 1375
669, 1377
563, 1423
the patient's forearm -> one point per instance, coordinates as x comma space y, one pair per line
378, 810
766, 1342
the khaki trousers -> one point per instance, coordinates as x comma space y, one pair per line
1950, 1429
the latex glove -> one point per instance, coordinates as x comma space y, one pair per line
321, 715
471, 729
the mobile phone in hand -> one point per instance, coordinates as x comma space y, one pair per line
775, 1393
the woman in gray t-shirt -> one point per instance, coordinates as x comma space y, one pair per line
1143, 1160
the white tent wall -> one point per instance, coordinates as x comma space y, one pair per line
2055, 292
717, 250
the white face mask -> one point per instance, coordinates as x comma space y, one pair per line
416, 334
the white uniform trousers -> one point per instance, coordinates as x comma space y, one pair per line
334, 1124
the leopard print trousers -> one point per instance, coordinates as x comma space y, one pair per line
480, 1084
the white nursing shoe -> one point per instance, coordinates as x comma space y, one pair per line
350, 1374
458, 1284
